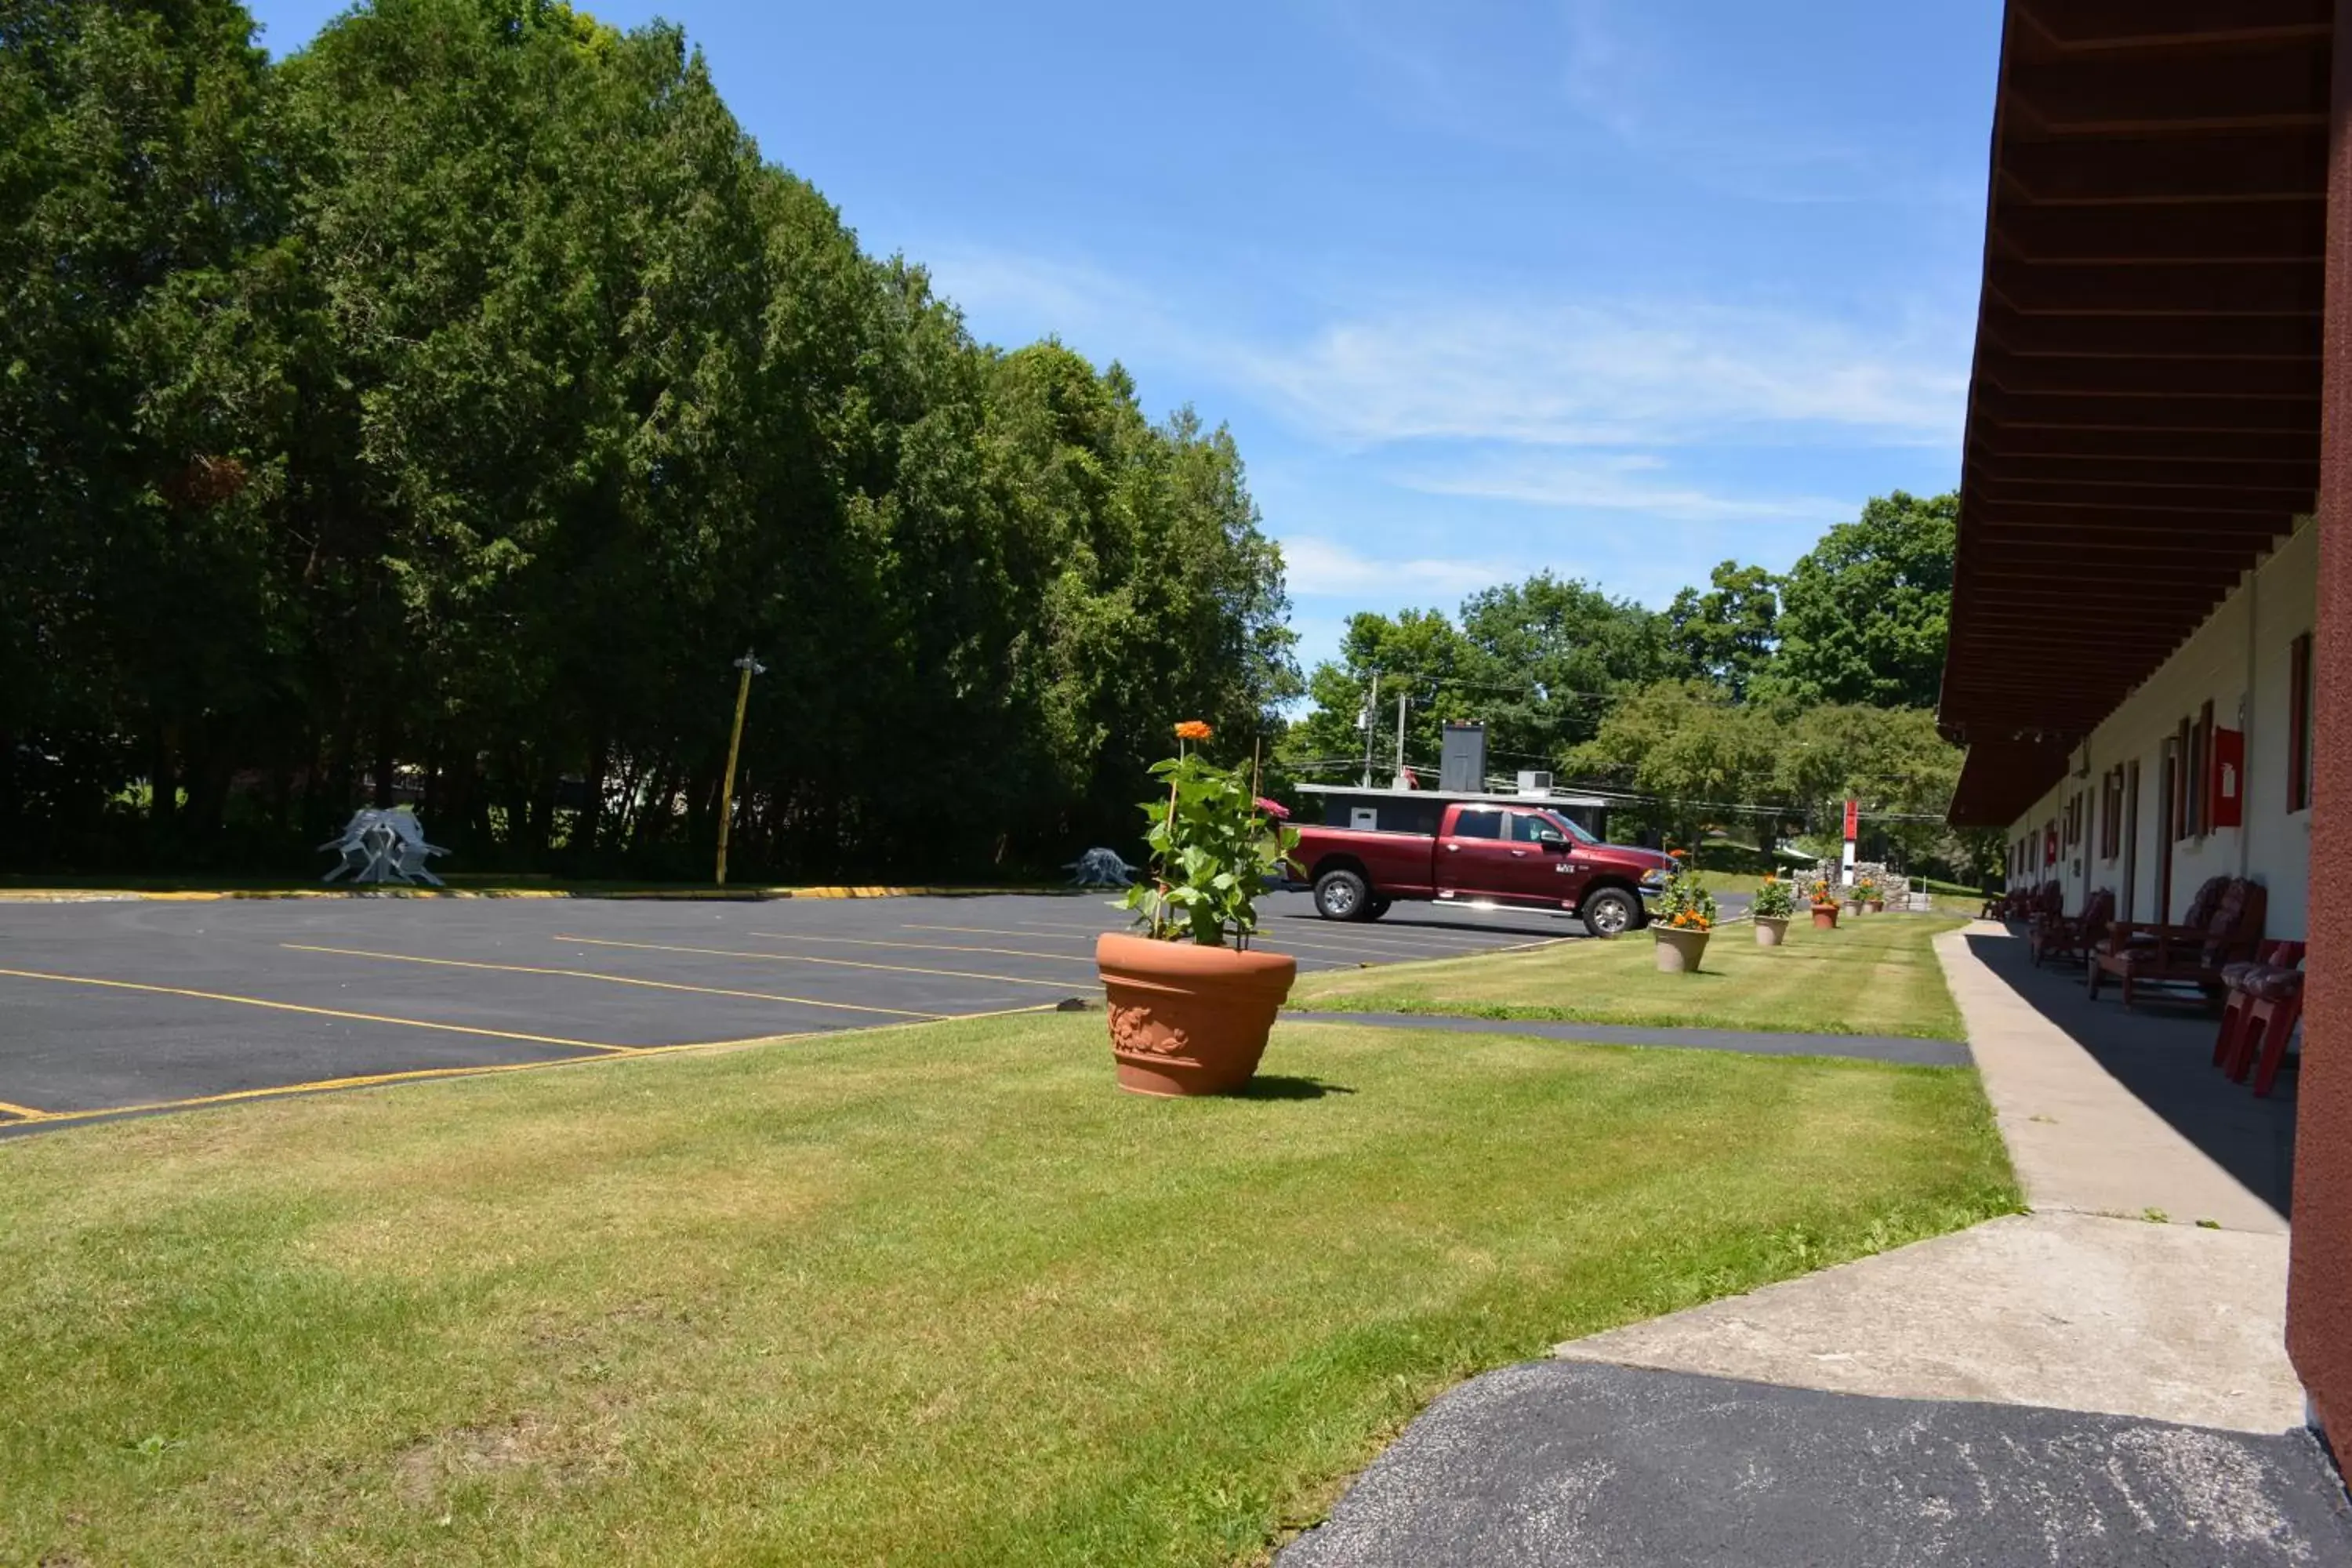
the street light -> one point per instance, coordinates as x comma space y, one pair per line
749, 667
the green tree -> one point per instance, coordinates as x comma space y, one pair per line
1864, 615
1727, 634
132, 633
1689, 748
1545, 657
449, 404
1419, 656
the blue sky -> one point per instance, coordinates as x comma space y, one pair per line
1618, 288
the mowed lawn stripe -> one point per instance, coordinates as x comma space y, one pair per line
936, 1294
1875, 976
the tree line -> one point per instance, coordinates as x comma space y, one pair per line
435, 414
1785, 693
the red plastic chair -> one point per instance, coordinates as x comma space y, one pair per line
2232, 1040
2274, 1007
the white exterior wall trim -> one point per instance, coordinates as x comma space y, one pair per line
2240, 660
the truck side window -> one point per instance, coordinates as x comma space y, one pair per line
1529, 828
1483, 824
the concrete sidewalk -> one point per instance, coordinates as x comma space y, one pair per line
2080, 1138
2109, 1297
2069, 1386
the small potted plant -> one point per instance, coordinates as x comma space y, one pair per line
1865, 897
1684, 918
1774, 904
1825, 905
1189, 1003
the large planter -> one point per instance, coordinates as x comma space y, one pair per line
1187, 1019
1875, 906
1679, 951
1772, 930
1825, 917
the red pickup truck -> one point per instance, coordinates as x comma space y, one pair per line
1492, 849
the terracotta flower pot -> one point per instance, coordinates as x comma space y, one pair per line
1825, 917
1679, 952
1186, 1019
1772, 930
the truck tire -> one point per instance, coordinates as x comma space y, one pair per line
1378, 908
1341, 896
1610, 912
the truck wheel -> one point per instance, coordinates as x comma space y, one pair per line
1378, 908
1341, 896
1612, 911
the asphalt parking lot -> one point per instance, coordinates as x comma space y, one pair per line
113, 1007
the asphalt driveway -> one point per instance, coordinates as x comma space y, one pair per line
107, 1007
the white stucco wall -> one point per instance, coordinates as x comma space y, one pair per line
2239, 661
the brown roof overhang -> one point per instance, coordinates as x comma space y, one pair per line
2143, 415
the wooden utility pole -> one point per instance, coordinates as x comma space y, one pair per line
749, 667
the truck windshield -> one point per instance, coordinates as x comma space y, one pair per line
1571, 829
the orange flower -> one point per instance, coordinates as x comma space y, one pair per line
1193, 729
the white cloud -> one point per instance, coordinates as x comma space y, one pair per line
1624, 374
1613, 375
1608, 484
1316, 565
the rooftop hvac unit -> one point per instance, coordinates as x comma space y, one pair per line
1535, 783
1461, 766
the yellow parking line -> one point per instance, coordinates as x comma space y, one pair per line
1089, 958
23, 1112
369, 1081
804, 957
927, 946
1006, 931
317, 1012
1471, 942
615, 979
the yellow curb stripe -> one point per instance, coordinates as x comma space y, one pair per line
615, 979
926, 946
23, 1112
316, 1012
804, 957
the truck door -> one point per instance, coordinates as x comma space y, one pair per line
1541, 869
1472, 854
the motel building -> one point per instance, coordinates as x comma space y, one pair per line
2150, 661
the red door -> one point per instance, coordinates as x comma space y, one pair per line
1540, 869
1473, 853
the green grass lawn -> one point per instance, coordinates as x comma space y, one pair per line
1873, 975
929, 1295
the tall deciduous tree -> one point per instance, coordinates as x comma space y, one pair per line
1865, 613
449, 405
1729, 633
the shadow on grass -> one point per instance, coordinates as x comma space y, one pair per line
1282, 1086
